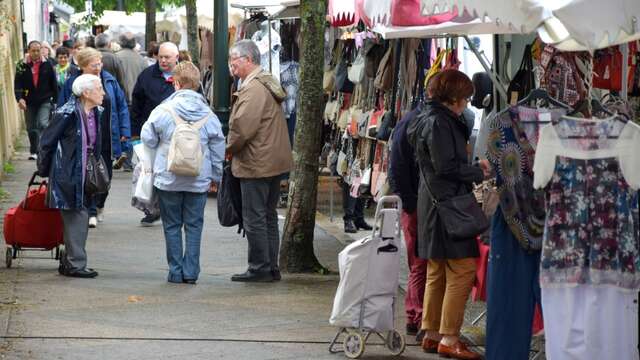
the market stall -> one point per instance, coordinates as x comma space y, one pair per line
550, 84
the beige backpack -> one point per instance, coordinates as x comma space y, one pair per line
185, 151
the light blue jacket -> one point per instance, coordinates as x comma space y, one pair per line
158, 129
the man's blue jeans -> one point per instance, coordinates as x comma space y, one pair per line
180, 209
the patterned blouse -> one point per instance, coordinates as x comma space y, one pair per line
590, 171
512, 139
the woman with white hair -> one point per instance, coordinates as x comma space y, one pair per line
65, 145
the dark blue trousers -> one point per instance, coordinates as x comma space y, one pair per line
512, 293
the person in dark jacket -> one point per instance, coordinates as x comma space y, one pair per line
114, 120
35, 90
153, 86
441, 141
110, 61
64, 148
404, 178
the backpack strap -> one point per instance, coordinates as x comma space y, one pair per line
196, 124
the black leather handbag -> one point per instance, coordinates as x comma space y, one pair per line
461, 215
97, 177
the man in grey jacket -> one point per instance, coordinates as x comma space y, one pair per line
110, 62
132, 63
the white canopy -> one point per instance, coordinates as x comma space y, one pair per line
474, 27
571, 24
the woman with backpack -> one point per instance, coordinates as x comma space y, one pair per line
189, 145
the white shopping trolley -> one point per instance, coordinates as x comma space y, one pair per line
365, 300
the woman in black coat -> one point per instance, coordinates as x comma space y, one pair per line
441, 137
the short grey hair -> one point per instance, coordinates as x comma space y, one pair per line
246, 48
128, 40
103, 40
83, 83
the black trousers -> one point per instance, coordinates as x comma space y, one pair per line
353, 207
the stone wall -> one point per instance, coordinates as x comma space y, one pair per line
11, 118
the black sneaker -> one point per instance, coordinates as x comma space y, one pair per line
149, 220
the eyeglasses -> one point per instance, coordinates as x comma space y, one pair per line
95, 66
234, 59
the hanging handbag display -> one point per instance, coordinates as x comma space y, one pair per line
524, 79
96, 178
436, 67
461, 215
384, 75
607, 69
329, 76
356, 71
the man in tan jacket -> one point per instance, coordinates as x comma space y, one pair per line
261, 152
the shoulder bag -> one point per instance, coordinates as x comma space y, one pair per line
97, 178
461, 215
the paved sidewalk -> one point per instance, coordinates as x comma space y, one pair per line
131, 312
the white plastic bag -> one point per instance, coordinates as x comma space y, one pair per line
144, 186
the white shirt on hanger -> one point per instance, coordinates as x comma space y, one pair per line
261, 38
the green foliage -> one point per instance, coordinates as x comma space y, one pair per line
4, 194
8, 168
99, 6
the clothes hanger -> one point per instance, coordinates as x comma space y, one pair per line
541, 94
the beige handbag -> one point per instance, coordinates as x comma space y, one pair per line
356, 71
329, 80
343, 119
331, 110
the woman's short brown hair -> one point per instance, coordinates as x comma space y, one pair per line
450, 86
84, 56
188, 75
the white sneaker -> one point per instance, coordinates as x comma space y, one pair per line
93, 222
33, 157
100, 215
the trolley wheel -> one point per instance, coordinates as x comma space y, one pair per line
8, 257
395, 342
353, 345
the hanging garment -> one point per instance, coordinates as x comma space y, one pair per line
290, 81
511, 144
590, 322
513, 291
261, 38
591, 173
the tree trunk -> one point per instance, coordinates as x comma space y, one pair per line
150, 25
192, 31
296, 254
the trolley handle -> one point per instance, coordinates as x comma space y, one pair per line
32, 182
387, 200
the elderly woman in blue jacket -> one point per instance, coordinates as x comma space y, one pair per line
114, 123
183, 198
64, 147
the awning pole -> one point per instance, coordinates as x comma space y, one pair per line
221, 95
625, 71
498, 85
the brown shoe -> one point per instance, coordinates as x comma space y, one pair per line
429, 346
457, 351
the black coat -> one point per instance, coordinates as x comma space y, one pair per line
47, 89
60, 156
440, 139
404, 176
150, 90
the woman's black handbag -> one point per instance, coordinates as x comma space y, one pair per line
461, 215
97, 178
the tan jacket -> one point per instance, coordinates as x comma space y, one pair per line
258, 138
